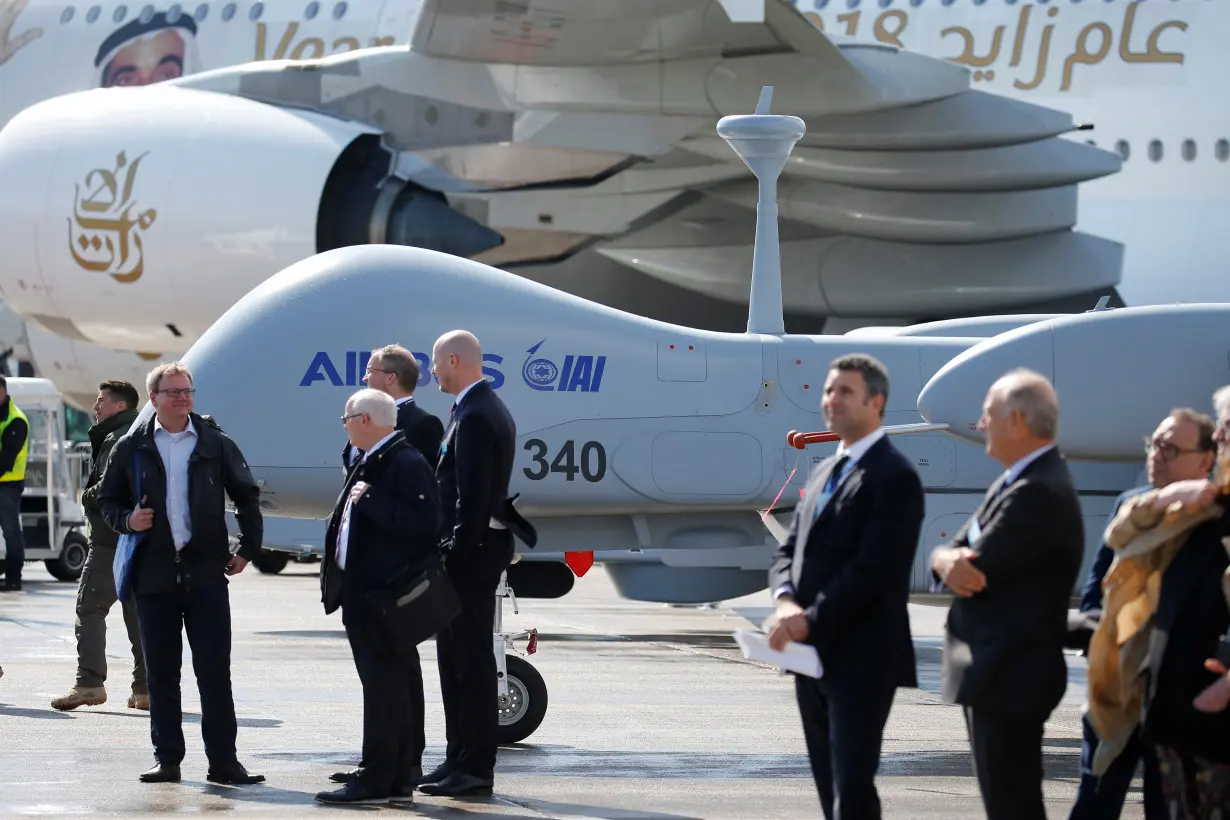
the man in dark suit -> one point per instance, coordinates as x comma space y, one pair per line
476, 462
841, 583
184, 466
1180, 449
1012, 567
385, 522
393, 370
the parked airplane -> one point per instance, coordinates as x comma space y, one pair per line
911, 212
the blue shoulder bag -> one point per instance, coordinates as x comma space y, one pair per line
126, 548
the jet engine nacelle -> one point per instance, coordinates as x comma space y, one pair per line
152, 210
1117, 372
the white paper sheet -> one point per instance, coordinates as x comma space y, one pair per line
796, 657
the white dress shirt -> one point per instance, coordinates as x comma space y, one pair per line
343, 530
175, 449
461, 394
1014, 472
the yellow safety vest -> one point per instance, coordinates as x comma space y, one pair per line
18, 473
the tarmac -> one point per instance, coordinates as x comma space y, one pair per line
653, 714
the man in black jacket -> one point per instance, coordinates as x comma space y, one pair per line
385, 522
115, 409
841, 583
14, 445
168, 478
393, 370
1012, 567
476, 462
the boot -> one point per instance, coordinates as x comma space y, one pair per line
81, 696
138, 700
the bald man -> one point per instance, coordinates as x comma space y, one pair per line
1012, 568
476, 461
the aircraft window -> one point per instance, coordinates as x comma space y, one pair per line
1124, 149
916, 3
339, 11
482, 119
228, 11
311, 11
885, 3
949, 2
202, 11
119, 14
1222, 150
1189, 150
174, 13
92, 14
432, 115
67, 14
255, 12
1155, 150
979, 2
147, 14
821, 5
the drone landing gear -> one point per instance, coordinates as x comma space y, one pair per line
522, 693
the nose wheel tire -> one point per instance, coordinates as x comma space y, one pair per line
526, 705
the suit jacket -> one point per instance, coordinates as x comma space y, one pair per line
1192, 615
422, 430
857, 561
476, 463
1003, 647
1091, 596
393, 526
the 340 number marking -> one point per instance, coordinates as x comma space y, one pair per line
592, 461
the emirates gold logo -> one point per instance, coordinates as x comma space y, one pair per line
103, 235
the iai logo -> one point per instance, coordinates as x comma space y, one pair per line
576, 373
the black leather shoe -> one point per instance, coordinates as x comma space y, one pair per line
437, 774
353, 793
459, 784
402, 794
233, 775
11, 587
346, 777
162, 773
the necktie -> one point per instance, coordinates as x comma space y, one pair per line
452, 411
831, 484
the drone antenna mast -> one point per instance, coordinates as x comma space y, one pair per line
764, 142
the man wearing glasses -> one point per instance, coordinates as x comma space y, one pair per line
1181, 448
168, 478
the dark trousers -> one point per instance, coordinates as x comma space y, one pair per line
1103, 798
95, 597
844, 731
1007, 750
392, 725
10, 526
464, 652
205, 614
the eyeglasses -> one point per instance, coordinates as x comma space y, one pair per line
177, 392
1168, 451
351, 416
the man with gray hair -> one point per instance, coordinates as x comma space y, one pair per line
385, 523
1012, 567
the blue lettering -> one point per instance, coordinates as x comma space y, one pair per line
565, 373
497, 378
314, 374
424, 362
596, 382
581, 374
322, 369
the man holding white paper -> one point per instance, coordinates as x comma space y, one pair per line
841, 583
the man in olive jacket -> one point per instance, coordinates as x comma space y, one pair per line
115, 410
168, 479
